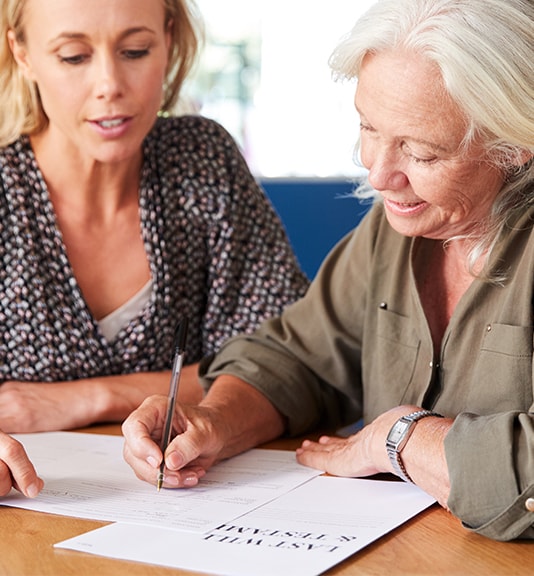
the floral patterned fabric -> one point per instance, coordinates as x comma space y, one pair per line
218, 254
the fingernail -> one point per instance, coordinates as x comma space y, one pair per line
190, 481
173, 461
152, 461
33, 490
171, 480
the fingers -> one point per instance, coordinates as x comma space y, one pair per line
185, 478
179, 472
185, 458
6, 481
16, 470
337, 456
315, 454
143, 428
142, 432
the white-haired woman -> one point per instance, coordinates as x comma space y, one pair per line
421, 321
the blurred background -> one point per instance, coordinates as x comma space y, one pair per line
264, 76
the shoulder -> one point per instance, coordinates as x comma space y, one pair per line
189, 133
191, 148
196, 160
17, 167
196, 155
14, 153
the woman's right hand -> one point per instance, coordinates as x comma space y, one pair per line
194, 448
16, 470
232, 418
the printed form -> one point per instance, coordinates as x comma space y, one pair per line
303, 532
86, 476
256, 513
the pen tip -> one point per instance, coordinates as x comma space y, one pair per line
160, 482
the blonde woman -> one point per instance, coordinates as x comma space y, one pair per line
116, 221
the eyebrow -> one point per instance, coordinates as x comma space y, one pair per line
421, 141
432, 145
82, 36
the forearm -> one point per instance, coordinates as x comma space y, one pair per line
40, 407
424, 457
121, 395
244, 416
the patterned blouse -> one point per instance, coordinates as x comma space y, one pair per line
218, 254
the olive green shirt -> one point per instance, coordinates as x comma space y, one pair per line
358, 344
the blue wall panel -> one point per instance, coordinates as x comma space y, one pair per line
316, 214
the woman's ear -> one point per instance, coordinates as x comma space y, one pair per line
20, 54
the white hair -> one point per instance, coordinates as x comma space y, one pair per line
484, 50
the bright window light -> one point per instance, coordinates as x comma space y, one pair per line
264, 76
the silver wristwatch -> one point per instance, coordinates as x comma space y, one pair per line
398, 436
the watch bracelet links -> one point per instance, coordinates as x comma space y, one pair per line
393, 454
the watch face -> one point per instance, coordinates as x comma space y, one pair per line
397, 431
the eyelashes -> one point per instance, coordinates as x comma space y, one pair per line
405, 148
82, 58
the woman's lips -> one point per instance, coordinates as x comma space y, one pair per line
111, 127
405, 208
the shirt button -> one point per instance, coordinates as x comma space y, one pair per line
529, 504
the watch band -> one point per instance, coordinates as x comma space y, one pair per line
398, 437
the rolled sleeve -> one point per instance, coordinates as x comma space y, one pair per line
491, 468
290, 386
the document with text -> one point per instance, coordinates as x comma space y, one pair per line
306, 531
86, 476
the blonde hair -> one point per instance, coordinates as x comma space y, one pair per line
22, 112
484, 50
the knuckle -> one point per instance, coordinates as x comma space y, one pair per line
12, 449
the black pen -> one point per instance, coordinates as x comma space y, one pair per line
180, 337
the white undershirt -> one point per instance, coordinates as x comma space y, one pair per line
112, 324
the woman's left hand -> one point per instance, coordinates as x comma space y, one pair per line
338, 456
361, 454
364, 453
43, 406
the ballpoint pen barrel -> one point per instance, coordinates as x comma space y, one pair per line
178, 358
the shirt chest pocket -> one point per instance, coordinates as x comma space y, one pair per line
503, 369
391, 356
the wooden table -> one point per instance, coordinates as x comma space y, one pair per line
432, 543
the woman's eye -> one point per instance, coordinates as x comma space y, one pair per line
76, 59
135, 54
420, 160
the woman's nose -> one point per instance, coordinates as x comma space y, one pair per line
108, 82
385, 172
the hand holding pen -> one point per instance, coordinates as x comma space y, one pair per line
178, 358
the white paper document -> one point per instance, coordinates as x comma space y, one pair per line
85, 476
303, 532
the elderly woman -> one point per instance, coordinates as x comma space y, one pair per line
117, 220
421, 320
